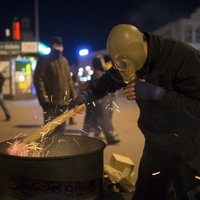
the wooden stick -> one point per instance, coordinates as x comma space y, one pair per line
51, 125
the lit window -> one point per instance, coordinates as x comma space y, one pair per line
188, 34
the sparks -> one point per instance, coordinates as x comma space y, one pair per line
35, 149
84, 131
156, 173
10, 143
100, 128
197, 177
47, 120
35, 146
115, 105
50, 143
107, 106
47, 153
43, 133
76, 141
60, 140
17, 136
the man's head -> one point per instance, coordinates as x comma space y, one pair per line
126, 47
57, 43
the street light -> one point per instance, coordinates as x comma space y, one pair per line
44, 49
83, 52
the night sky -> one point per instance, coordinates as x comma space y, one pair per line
87, 23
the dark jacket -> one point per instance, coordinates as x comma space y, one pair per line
174, 66
2, 80
53, 81
102, 103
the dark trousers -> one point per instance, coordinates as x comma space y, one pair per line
99, 119
3, 106
53, 111
160, 167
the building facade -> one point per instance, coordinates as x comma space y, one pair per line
185, 30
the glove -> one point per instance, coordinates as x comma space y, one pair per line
82, 98
145, 90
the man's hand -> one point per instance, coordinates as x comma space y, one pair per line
82, 98
80, 109
129, 91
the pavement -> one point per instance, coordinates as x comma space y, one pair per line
27, 117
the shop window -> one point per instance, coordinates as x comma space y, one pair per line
23, 76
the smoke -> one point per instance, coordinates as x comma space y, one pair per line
150, 15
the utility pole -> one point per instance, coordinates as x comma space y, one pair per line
36, 20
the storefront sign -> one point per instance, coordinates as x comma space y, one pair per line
15, 48
10, 48
29, 47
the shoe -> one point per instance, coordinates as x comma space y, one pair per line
115, 134
113, 141
8, 118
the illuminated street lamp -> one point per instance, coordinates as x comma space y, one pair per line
83, 52
44, 49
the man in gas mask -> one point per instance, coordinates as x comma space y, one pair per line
163, 76
53, 82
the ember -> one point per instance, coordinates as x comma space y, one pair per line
76, 141
156, 173
29, 146
84, 131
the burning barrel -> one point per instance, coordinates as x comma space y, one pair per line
71, 168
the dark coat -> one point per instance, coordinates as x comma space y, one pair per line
175, 118
2, 80
53, 81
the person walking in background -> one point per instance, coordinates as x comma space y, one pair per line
53, 82
75, 83
98, 117
2, 103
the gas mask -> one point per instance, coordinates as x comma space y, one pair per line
58, 47
125, 45
57, 50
